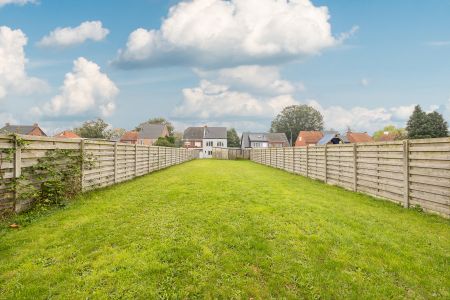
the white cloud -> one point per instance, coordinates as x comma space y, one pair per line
255, 79
69, 36
86, 92
6, 117
361, 118
211, 100
216, 33
18, 2
13, 77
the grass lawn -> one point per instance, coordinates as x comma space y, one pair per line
226, 229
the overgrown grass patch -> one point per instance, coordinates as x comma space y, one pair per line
226, 229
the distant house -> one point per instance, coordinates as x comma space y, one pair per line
263, 140
147, 134
67, 134
205, 138
22, 129
331, 137
308, 138
358, 137
388, 137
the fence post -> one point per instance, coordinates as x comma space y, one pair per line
135, 160
115, 162
82, 163
326, 163
406, 172
149, 159
307, 161
355, 168
17, 168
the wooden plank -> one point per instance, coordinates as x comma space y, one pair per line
406, 173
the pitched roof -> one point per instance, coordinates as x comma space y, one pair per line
151, 131
20, 129
198, 133
215, 133
308, 138
328, 137
388, 137
359, 137
277, 137
68, 135
129, 136
193, 133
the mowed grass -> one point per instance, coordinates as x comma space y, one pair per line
227, 229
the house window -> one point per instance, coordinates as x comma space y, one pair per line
220, 144
209, 144
209, 152
198, 144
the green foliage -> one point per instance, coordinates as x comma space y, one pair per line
94, 129
53, 180
422, 125
399, 133
248, 231
160, 120
233, 139
168, 141
297, 118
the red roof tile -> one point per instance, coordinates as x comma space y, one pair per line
359, 137
67, 135
308, 138
130, 136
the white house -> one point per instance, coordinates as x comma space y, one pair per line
205, 138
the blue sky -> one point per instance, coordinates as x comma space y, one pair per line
363, 64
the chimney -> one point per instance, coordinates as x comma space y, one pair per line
35, 125
7, 124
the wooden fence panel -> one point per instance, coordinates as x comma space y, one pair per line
429, 174
415, 172
6, 174
106, 163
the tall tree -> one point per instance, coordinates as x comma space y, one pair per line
94, 129
398, 133
417, 124
293, 119
233, 139
437, 125
160, 120
422, 125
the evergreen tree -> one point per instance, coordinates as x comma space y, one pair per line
422, 125
437, 125
417, 124
233, 138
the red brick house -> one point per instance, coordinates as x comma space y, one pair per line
307, 138
34, 130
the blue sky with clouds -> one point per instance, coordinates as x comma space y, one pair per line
363, 64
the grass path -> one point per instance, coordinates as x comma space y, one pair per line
227, 229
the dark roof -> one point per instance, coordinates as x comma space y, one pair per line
151, 131
215, 133
248, 137
308, 138
198, 133
277, 137
193, 133
19, 129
